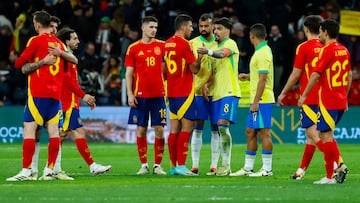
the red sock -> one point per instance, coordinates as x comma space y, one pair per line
172, 140
53, 150
320, 146
182, 147
337, 154
28, 150
84, 150
159, 150
307, 156
142, 149
329, 159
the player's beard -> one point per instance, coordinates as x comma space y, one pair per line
205, 34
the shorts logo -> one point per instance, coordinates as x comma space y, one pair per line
163, 121
135, 119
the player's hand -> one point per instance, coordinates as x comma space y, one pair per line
280, 98
55, 51
92, 106
202, 50
90, 100
301, 101
49, 59
254, 107
132, 101
243, 76
205, 91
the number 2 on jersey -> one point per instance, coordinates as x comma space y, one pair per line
338, 79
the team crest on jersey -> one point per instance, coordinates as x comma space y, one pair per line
141, 53
135, 119
157, 50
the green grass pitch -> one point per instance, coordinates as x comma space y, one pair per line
122, 185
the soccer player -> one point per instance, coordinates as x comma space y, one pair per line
262, 102
226, 88
145, 90
333, 71
180, 66
26, 69
44, 94
70, 103
206, 38
307, 55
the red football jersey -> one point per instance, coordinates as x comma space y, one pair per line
47, 81
178, 56
306, 58
72, 90
146, 59
334, 66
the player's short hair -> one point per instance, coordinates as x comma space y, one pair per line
225, 22
55, 19
331, 26
259, 30
43, 18
64, 34
205, 17
148, 19
181, 20
312, 22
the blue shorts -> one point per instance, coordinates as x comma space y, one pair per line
154, 106
71, 119
260, 119
42, 110
224, 109
203, 108
182, 107
308, 115
328, 119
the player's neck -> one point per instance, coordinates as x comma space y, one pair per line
69, 49
329, 41
312, 36
147, 40
43, 31
180, 34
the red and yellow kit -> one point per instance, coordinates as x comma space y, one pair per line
146, 59
178, 56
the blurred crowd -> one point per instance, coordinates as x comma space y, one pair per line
107, 27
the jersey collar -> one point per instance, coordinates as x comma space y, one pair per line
262, 44
203, 39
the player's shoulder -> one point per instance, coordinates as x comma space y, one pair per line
195, 39
32, 40
134, 44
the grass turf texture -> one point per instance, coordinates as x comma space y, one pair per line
121, 184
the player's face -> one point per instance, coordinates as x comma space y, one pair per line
73, 43
251, 37
322, 35
205, 28
53, 27
150, 29
188, 28
221, 33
